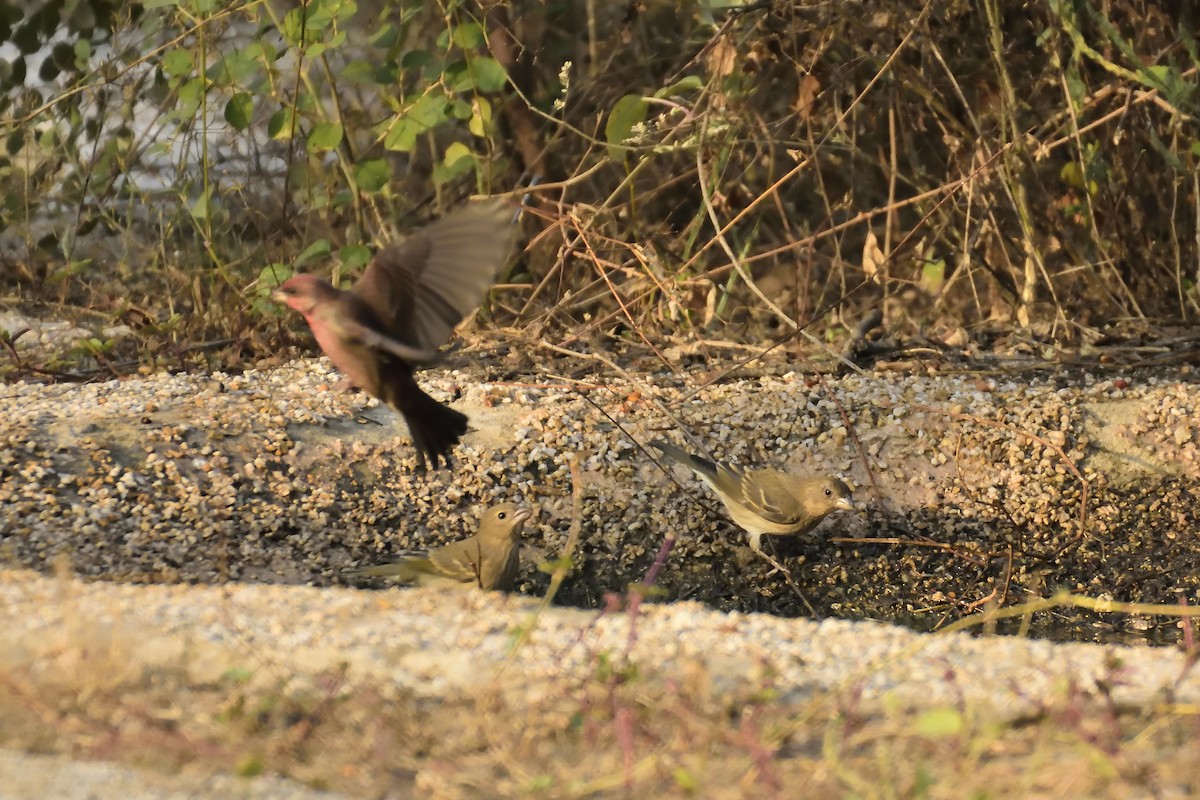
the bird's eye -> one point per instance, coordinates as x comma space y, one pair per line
502, 515
828, 492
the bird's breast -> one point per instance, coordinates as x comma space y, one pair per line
352, 359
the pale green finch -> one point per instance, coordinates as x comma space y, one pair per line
766, 501
488, 560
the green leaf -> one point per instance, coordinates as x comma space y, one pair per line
282, 124
456, 152
932, 274
249, 766
489, 75
372, 175
426, 113
325, 136
190, 95
939, 723
630, 110
177, 62
468, 36
354, 256
363, 72
297, 27
340, 10
272, 275
83, 51
239, 111
458, 160
685, 780
202, 208
416, 59
691, 83
256, 50
402, 134
97, 346
480, 74
481, 117
459, 109
1077, 89
385, 36
242, 67
1160, 77
237, 674
318, 249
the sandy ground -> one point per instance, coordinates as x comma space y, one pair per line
220, 491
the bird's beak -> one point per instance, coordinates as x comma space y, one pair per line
845, 504
279, 296
523, 514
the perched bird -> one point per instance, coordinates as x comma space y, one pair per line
489, 560
403, 308
766, 500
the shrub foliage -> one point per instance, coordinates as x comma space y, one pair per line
751, 165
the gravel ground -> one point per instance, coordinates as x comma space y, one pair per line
981, 492
434, 644
426, 646
24, 776
979, 489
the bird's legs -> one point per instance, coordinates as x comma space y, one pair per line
756, 546
776, 566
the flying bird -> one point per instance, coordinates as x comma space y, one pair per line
490, 559
403, 308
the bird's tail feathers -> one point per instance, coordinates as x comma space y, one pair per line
702, 466
435, 428
405, 570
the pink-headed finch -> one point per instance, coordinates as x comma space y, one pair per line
403, 308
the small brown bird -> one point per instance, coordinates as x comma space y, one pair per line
766, 501
403, 308
490, 559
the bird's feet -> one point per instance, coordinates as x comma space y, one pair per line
776, 566
787, 575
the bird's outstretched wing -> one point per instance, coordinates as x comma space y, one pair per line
363, 332
422, 287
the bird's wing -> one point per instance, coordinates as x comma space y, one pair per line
422, 287
769, 493
727, 480
458, 560
355, 327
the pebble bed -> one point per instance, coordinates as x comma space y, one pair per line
976, 487
222, 492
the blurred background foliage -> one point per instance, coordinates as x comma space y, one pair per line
729, 170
